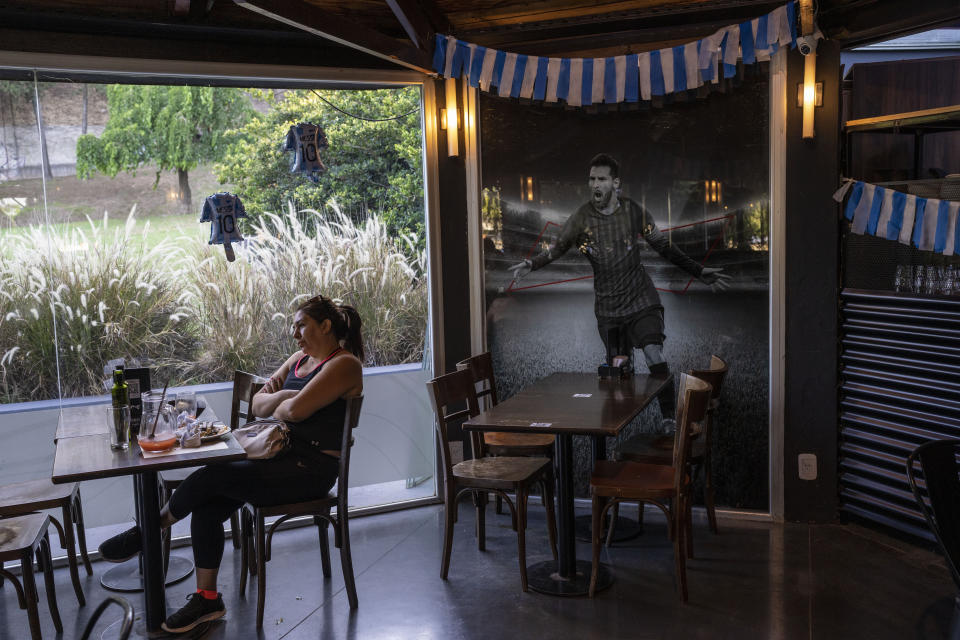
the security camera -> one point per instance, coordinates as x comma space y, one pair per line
807, 44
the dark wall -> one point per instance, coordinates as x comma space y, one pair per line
453, 239
810, 412
885, 88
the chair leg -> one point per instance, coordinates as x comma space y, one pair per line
679, 548
30, 593
499, 507
551, 515
346, 560
71, 548
449, 513
81, 532
708, 493
521, 534
640, 511
324, 544
480, 500
614, 514
45, 562
261, 569
235, 529
597, 532
244, 548
688, 524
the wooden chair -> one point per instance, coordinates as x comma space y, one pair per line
245, 386
32, 496
25, 538
127, 623
616, 482
484, 474
503, 444
255, 531
655, 448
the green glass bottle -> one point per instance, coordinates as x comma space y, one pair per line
120, 393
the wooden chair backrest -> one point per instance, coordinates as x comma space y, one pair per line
351, 421
692, 407
715, 375
481, 368
245, 386
454, 390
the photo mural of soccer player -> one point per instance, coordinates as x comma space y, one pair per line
609, 231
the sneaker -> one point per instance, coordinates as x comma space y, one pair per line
122, 546
198, 609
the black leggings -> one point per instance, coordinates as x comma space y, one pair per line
212, 493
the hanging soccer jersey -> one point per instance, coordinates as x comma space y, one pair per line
222, 210
305, 141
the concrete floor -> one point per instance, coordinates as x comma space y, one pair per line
753, 580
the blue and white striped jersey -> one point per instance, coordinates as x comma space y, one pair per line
305, 141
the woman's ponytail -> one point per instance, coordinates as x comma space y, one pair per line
352, 336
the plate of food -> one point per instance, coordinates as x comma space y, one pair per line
210, 431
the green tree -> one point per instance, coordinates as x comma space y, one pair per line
175, 128
373, 161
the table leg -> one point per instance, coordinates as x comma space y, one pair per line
146, 490
567, 543
567, 577
152, 554
128, 576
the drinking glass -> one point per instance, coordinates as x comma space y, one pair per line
930, 280
918, 279
186, 401
119, 419
900, 278
949, 280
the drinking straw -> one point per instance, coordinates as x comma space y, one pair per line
159, 409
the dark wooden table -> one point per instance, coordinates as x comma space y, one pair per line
83, 453
570, 404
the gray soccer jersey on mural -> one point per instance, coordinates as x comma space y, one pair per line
612, 245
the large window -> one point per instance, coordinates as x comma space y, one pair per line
103, 260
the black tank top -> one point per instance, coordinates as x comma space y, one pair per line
323, 429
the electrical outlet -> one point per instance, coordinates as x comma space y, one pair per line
807, 463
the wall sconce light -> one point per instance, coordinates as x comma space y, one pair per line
449, 118
810, 93
712, 191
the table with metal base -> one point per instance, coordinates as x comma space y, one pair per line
87, 456
568, 404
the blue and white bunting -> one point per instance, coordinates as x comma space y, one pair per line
928, 224
626, 78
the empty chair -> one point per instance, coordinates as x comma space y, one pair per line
615, 482
31, 496
483, 474
656, 448
245, 386
255, 530
125, 628
936, 494
503, 444
25, 539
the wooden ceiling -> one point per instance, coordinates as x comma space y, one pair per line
391, 32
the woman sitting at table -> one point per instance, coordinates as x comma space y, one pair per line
308, 393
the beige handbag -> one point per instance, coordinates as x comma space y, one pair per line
263, 439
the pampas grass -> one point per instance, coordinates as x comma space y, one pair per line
182, 309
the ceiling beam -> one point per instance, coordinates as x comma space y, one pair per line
531, 14
312, 20
414, 22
